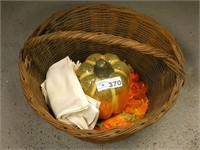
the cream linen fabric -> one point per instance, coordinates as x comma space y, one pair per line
64, 94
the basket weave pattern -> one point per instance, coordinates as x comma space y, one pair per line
143, 43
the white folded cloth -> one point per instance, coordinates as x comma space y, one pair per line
64, 94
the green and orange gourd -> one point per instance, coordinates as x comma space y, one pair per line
98, 67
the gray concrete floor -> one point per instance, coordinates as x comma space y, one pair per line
21, 128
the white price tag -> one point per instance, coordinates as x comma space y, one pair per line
109, 83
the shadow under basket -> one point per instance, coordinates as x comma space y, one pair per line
143, 43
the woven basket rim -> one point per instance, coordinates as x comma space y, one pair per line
112, 40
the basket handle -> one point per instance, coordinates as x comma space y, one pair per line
111, 40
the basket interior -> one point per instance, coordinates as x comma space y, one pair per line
152, 71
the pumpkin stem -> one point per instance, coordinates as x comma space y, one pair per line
102, 68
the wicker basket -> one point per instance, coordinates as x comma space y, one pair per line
144, 44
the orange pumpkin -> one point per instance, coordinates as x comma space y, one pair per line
100, 71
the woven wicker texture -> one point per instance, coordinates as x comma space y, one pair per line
143, 43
